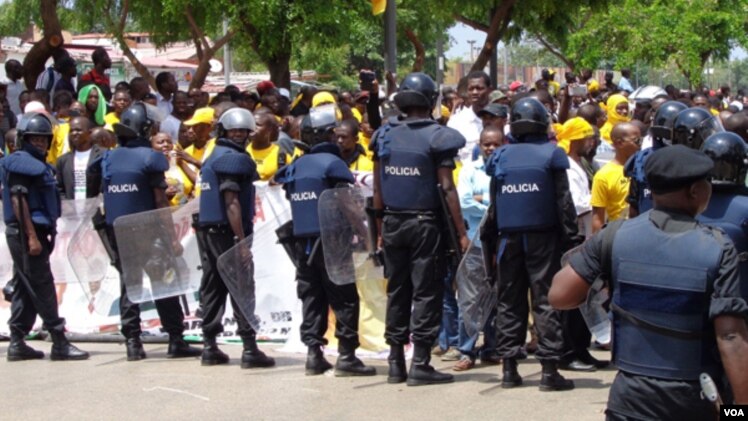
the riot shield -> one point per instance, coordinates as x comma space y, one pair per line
343, 232
477, 294
75, 266
6, 262
592, 310
150, 254
237, 270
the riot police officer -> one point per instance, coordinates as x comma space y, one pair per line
133, 181
693, 125
640, 197
676, 304
226, 216
728, 207
304, 180
31, 206
535, 222
413, 155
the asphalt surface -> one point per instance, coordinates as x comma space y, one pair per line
108, 387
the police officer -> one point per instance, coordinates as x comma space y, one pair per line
227, 210
535, 222
304, 180
693, 125
133, 181
31, 206
413, 154
728, 207
676, 303
640, 197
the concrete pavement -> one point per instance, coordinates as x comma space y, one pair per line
108, 387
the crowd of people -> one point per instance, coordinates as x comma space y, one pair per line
524, 173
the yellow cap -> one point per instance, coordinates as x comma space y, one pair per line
202, 116
321, 98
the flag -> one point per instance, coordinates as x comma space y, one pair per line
378, 6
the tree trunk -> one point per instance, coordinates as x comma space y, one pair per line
42, 50
499, 23
279, 67
420, 51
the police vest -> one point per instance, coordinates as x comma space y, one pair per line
233, 162
42, 196
126, 180
730, 213
304, 180
661, 288
407, 154
644, 194
525, 190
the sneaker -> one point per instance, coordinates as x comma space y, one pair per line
452, 355
465, 364
438, 351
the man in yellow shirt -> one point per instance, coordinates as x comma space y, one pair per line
609, 186
264, 151
351, 151
198, 132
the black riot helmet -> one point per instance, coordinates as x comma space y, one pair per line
34, 124
664, 119
318, 126
529, 116
136, 122
730, 155
693, 125
416, 90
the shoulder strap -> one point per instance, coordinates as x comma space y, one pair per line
606, 256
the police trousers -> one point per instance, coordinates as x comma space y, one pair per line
169, 309
415, 267
318, 293
213, 290
35, 292
528, 261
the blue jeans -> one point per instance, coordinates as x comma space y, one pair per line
449, 334
467, 342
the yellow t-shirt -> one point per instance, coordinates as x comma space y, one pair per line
59, 144
357, 114
267, 159
610, 189
364, 141
200, 155
362, 163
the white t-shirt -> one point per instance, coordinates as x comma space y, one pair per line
579, 188
469, 125
80, 163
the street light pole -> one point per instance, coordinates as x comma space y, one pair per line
471, 42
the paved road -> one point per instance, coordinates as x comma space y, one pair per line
108, 387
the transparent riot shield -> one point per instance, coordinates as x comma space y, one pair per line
343, 232
237, 270
592, 310
477, 294
151, 255
75, 216
6, 262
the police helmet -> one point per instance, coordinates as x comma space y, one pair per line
693, 125
136, 121
235, 118
33, 124
318, 125
416, 90
529, 116
662, 125
730, 155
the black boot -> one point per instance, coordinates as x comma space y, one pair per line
62, 349
179, 348
211, 354
19, 351
551, 380
421, 373
348, 365
135, 351
397, 373
252, 357
316, 362
511, 375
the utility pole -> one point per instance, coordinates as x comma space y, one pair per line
226, 56
390, 41
471, 42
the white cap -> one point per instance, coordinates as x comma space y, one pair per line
284, 92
